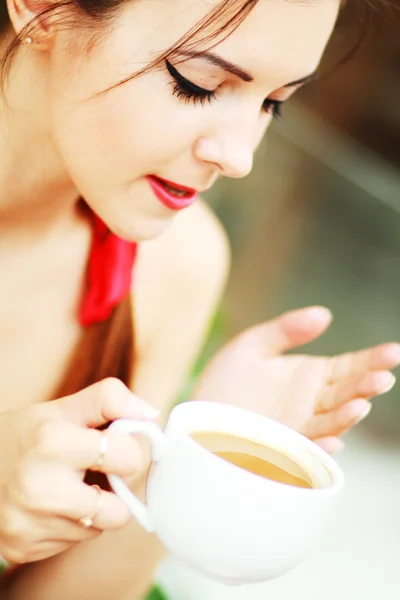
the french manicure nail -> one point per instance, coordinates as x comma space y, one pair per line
339, 446
364, 414
390, 385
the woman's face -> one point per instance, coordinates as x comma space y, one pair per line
156, 125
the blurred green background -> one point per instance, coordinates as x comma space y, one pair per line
318, 222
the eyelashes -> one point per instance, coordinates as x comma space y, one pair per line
188, 92
273, 107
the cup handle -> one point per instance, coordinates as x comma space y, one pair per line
158, 443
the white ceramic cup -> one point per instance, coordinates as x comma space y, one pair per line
227, 523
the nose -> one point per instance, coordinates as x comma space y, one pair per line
230, 149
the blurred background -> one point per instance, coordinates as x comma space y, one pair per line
318, 222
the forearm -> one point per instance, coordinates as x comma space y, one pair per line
114, 565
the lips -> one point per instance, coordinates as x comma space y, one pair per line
171, 194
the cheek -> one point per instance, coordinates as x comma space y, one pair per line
134, 129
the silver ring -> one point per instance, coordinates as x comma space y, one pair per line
88, 520
99, 464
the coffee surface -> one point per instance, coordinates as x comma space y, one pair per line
255, 458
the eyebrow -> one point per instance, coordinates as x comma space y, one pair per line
222, 63
238, 71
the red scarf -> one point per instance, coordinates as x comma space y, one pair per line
109, 276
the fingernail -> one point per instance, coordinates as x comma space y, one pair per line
318, 311
390, 385
339, 446
364, 414
396, 351
143, 408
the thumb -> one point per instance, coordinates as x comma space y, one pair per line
102, 402
292, 329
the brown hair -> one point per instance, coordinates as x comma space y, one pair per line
105, 349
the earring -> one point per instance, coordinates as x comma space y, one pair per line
28, 40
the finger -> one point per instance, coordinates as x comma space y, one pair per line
331, 444
372, 384
338, 421
382, 357
291, 329
52, 548
65, 530
46, 549
81, 449
48, 537
58, 491
107, 510
102, 402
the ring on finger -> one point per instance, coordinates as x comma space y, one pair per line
88, 520
99, 464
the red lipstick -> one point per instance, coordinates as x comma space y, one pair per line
171, 194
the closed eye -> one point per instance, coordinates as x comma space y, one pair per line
187, 90
190, 92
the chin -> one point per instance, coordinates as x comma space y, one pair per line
141, 230
132, 221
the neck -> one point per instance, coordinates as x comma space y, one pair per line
36, 192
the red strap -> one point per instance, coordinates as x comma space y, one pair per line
109, 276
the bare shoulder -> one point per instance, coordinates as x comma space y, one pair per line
178, 283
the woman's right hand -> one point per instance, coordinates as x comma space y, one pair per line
45, 450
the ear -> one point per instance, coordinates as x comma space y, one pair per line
25, 12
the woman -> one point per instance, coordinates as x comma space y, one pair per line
136, 107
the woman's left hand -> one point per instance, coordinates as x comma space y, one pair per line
319, 396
